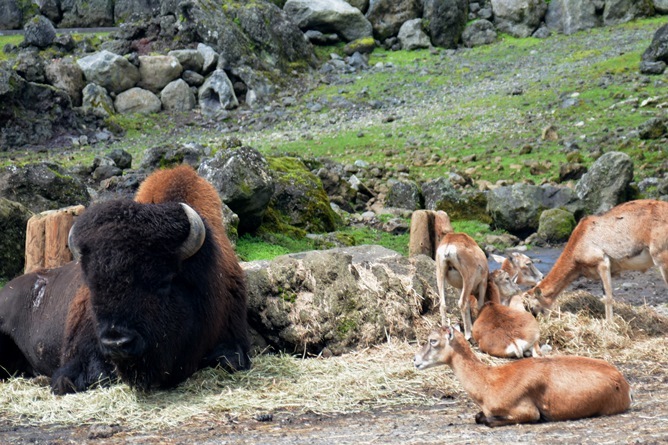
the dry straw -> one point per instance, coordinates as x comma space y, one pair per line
373, 378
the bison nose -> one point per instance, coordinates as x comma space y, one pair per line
120, 342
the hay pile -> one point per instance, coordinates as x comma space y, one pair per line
377, 377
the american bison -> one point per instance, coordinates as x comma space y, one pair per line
156, 294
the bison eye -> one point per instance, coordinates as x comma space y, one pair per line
433, 341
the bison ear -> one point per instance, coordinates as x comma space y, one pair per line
196, 236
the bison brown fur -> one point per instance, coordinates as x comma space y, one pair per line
134, 305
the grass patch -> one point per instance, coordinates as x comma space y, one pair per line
13, 39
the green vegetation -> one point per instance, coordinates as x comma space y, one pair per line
467, 112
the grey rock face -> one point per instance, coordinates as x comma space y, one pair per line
177, 96
39, 32
31, 113
13, 220
519, 18
622, 11
42, 186
95, 100
412, 36
137, 100
387, 16
243, 181
446, 21
657, 51
68, 76
404, 195
606, 183
570, 16
157, 71
87, 13
217, 94
329, 15
110, 71
480, 32
11, 15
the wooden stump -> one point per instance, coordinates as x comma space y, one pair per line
427, 229
46, 238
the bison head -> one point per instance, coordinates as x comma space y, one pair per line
137, 260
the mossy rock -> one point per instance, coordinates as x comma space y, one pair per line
472, 207
365, 45
556, 225
299, 198
13, 220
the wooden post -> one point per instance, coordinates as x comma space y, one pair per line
46, 238
427, 229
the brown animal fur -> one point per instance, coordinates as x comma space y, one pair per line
530, 390
504, 331
631, 236
461, 263
520, 267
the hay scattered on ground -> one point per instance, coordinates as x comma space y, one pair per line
377, 377
374, 378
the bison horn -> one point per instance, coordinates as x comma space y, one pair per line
76, 253
197, 233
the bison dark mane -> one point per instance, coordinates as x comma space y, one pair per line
148, 301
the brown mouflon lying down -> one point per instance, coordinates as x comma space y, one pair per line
529, 390
502, 331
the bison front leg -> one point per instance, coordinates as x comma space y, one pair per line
78, 375
229, 357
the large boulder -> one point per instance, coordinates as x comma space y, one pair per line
606, 184
157, 71
95, 100
519, 18
190, 59
459, 204
68, 76
658, 48
329, 16
257, 34
126, 9
338, 300
32, 113
479, 32
517, 208
570, 16
412, 36
11, 15
387, 16
244, 182
661, 6
622, 11
299, 198
555, 225
42, 186
110, 71
217, 94
404, 194
445, 21
39, 32
177, 96
13, 220
87, 13
137, 100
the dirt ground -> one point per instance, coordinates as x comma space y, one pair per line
450, 421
